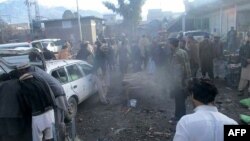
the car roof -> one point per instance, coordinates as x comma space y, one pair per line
14, 44
45, 40
53, 64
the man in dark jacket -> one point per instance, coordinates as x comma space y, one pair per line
37, 101
83, 53
48, 55
15, 125
206, 57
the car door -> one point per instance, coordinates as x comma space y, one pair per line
61, 75
78, 82
87, 70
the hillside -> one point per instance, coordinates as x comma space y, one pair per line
15, 11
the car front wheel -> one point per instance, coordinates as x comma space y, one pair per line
72, 108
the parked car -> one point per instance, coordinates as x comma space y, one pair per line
197, 34
15, 48
75, 76
50, 44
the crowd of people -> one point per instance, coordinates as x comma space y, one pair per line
177, 60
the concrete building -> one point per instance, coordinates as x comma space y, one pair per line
218, 16
158, 14
68, 29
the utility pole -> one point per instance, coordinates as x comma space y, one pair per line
28, 4
37, 11
79, 20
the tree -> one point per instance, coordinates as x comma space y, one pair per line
130, 10
67, 14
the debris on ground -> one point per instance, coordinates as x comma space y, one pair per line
132, 103
152, 134
119, 130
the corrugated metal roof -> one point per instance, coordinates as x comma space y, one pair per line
82, 18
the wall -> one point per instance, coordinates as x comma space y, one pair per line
89, 31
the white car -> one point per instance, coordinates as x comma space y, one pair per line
15, 48
50, 44
75, 76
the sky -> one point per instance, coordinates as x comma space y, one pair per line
166, 5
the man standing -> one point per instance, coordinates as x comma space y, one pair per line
180, 72
15, 125
62, 113
123, 55
193, 52
83, 53
206, 124
232, 39
101, 71
37, 101
218, 53
206, 57
48, 55
245, 64
144, 47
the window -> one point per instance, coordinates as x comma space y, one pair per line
60, 75
37, 45
86, 68
45, 44
66, 24
74, 72
1, 71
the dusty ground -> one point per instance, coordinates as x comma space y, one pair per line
148, 121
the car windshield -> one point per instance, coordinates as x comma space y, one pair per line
45, 44
126, 70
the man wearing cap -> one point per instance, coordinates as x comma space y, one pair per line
206, 57
37, 101
206, 123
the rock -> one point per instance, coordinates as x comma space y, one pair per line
80, 119
119, 130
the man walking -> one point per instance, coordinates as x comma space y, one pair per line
207, 123
206, 57
180, 72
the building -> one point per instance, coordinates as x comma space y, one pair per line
158, 14
110, 19
20, 26
68, 29
218, 16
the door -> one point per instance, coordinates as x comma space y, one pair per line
87, 70
61, 75
78, 82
